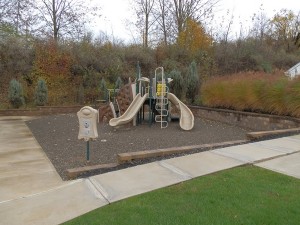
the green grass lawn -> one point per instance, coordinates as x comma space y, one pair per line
243, 195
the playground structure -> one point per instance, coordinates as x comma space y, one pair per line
151, 95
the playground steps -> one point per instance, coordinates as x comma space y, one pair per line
127, 157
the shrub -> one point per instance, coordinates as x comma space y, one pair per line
177, 85
15, 94
41, 93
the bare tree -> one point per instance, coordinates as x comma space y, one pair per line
164, 19
296, 30
198, 10
296, 37
167, 18
64, 18
284, 28
146, 20
225, 28
4, 4
19, 14
261, 25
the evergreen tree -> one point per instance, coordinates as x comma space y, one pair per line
177, 85
103, 89
192, 82
80, 94
15, 94
119, 83
41, 93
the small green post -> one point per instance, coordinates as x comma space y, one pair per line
150, 102
138, 76
137, 89
88, 151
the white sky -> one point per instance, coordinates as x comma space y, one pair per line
117, 13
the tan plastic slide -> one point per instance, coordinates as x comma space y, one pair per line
132, 110
186, 121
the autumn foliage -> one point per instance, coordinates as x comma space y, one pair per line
54, 66
194, 38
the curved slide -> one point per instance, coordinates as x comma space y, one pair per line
186, 121
132, 110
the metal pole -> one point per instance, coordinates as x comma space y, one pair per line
150, 102
88, 151
138, 76
150, 112
137, 88
162, 97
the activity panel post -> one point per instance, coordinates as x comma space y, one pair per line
87, 117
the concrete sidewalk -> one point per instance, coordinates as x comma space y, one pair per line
31, 192
24, 167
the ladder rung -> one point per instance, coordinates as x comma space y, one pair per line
159, 118
162, 101
158, 108
164, 113
164, 126
161, 121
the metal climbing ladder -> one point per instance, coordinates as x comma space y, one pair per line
161, 100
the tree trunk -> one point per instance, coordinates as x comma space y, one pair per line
54, 21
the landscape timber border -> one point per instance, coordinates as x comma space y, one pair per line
262, 125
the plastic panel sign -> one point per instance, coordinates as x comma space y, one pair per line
87, 117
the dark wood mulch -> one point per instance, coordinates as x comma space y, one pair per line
58, 134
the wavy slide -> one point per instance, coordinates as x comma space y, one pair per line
186, 121
132, 110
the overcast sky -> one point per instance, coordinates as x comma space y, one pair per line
117, 13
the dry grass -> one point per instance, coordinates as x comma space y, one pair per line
269, 93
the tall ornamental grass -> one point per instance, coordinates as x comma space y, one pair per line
257, 92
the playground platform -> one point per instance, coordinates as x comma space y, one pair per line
31, 191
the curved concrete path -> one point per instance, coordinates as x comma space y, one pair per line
31, 192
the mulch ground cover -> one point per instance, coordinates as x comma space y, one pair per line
58, 136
